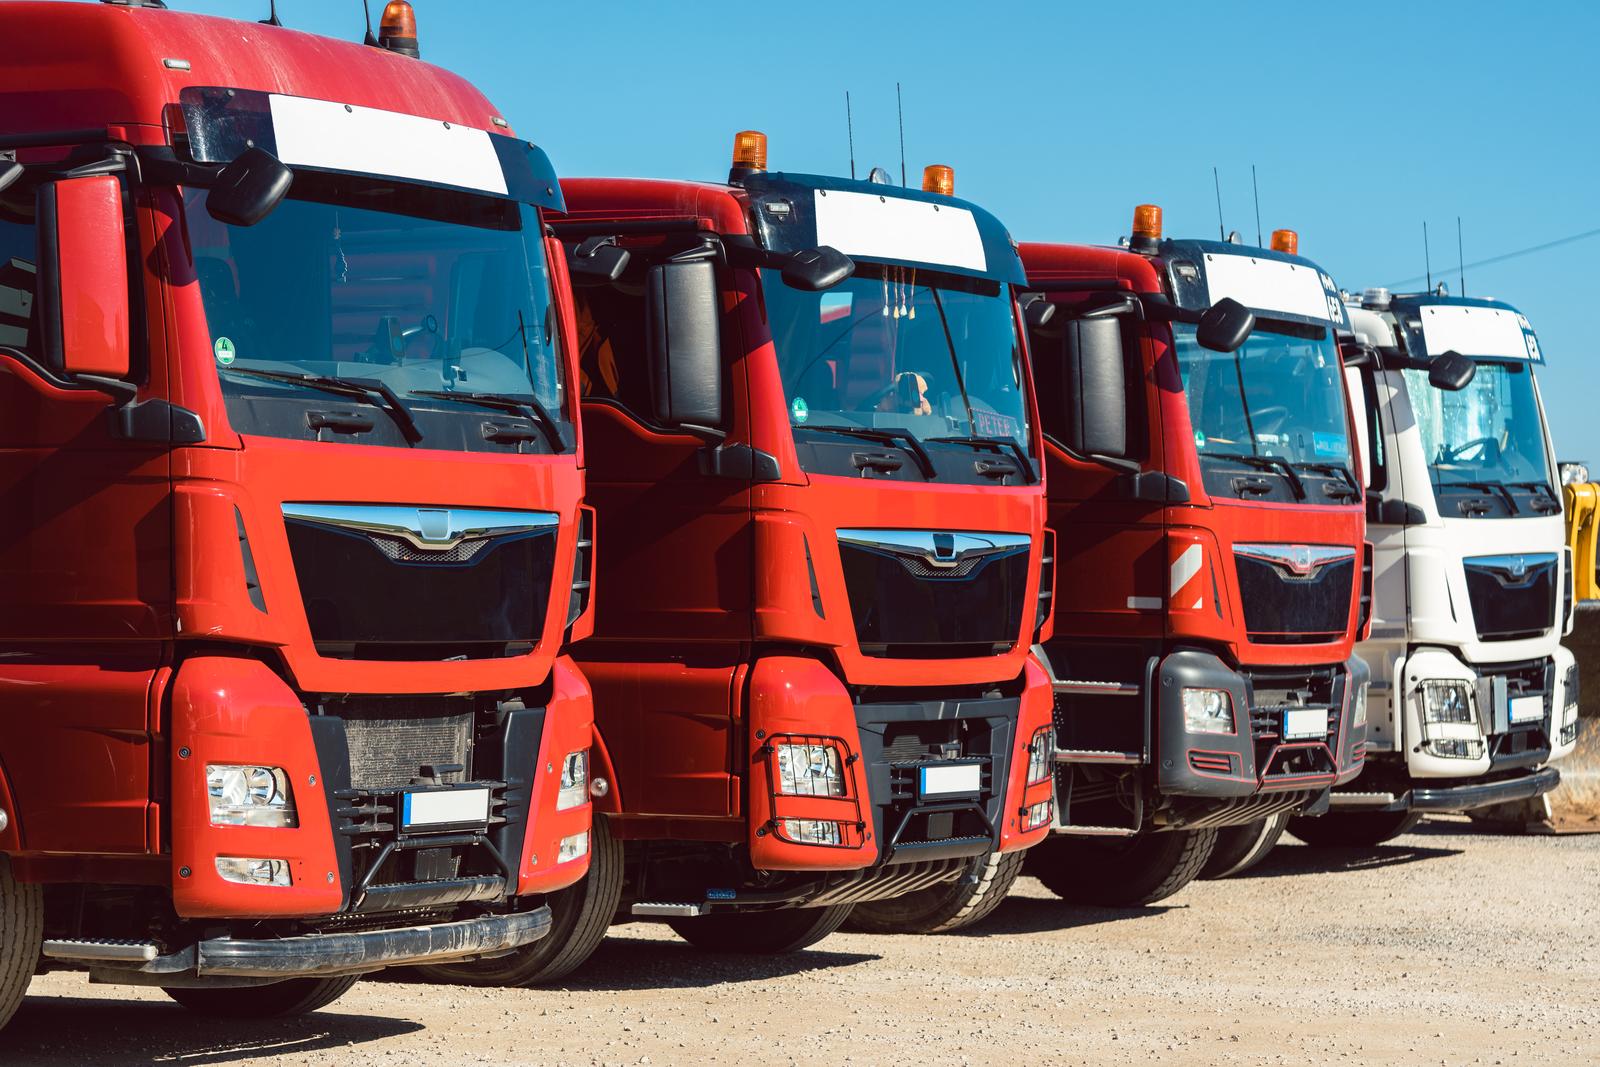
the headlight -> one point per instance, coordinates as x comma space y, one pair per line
253, 871
1574, 473
1207, 711
574, 780
1358, 708
573, 847
1446, 702
812, 832
809, 771
249, 796
1041, 756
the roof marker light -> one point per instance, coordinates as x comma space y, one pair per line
1146, 228
938, 178
397, 30
1286, 241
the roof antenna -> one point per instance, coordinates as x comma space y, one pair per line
1257, 190
272, 15
850, 131
1222, 233
1427, 256
366, 9
1461, 263
900, 108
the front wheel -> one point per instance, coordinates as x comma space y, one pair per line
1125, 872
297, 996
579, 917
1239, 848
1353, 829
21, 935
983, 884
765, 933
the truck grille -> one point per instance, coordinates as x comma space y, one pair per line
1295, 600
1512, 596
388, 752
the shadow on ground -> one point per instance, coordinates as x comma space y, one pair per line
1033, 915
626, 963
78, 1030
1283, 861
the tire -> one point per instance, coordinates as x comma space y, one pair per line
1353, 829
297, 996
765, 933
21, 935
1127, 872
947, 906
579, 914
1239, 848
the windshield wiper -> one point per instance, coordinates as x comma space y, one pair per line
1008, 444
1339, 469
1544, 498
527, 406
369, 389
1496, 488
1265, 463
904, 438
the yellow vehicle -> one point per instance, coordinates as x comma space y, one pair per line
1576, 803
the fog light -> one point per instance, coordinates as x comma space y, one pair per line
809, 770
249, 796
1038, 815
574, 780
812, 832
573, 847
1041, 756
1454, 748
253, 871
1358, 708
1446, 702
1208, 711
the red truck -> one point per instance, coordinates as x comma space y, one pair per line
291, 467
813, 450
1211, 574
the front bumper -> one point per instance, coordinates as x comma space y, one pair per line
1464, 796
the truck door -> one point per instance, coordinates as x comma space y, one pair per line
1379, 406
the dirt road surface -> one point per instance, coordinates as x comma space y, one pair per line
1444, 947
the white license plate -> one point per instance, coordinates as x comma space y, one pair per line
951, 779
446, 807
1302, 723
1527, 709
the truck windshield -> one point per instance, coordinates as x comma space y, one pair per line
437, 304
1280, 396
896, 349
1490, 432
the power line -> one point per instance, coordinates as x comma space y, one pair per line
1558, 242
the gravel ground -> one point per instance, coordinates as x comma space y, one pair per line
1446, 946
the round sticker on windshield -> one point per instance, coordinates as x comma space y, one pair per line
1199, 439
800, 410
225, 351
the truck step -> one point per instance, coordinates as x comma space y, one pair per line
101, 948
1344, 799
1099, 689
668, 909
1096, 831
1089, 755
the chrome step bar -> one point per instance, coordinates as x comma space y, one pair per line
1095, 831
101, 948
1081, 755
668, 910
1100, 689
1360, 800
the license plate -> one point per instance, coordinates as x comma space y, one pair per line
1302, 723
445, 807
1527, 709
951, 779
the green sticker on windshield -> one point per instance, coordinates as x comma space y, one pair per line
800, 409
225, 352
1199, 439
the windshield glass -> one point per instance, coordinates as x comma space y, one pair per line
1491, 431
1280, 395
419, 290
893, 348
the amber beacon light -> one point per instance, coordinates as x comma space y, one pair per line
1146, 228
750, 150
397, 30
1285, 241
938, 178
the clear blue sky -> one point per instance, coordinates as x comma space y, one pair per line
1060, 117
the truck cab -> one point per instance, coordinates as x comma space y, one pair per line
1473, 696
291, 465
1211, 576
814, 456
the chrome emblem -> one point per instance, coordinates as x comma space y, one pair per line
427, 529
1301, 561
939, 550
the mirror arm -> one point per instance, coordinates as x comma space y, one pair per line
1161, 309
709, 434
1356, 353
161, 166
1116, 463
121, 392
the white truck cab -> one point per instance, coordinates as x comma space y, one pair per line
1472, 695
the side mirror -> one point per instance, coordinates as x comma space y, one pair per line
1094, 388
83, 277
1038, 312
597, 261
1225, 325
684, 343
246, 190
812, 270
10, 171
1451, 371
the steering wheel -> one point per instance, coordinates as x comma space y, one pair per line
1269, 419
1488, 450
